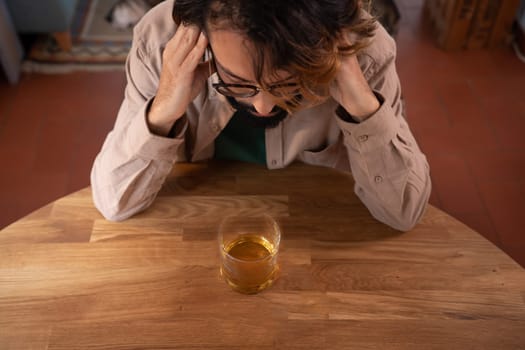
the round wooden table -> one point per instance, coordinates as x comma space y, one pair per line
71, 280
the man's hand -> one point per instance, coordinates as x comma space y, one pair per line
182, 78
352, 91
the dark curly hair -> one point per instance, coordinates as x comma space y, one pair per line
304, 37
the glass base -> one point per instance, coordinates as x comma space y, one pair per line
251, 289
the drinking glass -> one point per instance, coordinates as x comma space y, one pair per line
248, 248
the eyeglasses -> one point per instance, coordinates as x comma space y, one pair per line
285, 90
245, 91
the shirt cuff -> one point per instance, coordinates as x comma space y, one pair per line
347, 117
372, 133
141, 141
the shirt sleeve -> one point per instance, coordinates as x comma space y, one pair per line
133, 163
391, 173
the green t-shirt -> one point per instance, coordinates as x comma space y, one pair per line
241, 141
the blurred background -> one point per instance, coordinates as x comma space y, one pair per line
461, 65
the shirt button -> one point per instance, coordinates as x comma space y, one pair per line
274, 162
378, 179
363, 138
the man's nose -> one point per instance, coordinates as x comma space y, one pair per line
263, 102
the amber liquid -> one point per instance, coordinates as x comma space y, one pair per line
249, 263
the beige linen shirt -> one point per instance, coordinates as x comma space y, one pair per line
391, 174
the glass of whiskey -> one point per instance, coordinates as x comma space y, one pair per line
248, 248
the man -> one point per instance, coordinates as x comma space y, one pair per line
263, 81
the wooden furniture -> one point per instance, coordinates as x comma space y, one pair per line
71, 280
45, 16
471, 24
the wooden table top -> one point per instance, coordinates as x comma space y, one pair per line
71, 280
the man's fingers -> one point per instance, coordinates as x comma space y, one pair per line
182, 43
177, 37
189, 37
195, 55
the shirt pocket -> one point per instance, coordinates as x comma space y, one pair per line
327, 156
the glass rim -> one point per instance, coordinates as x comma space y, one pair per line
275, 242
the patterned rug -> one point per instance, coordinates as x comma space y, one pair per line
96, 44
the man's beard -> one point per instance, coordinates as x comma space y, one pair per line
247, 114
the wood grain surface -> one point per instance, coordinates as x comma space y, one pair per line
71, 280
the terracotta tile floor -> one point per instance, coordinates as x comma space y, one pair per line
467, 110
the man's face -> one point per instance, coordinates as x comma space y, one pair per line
233, 60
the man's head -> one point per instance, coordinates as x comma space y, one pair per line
274, 44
